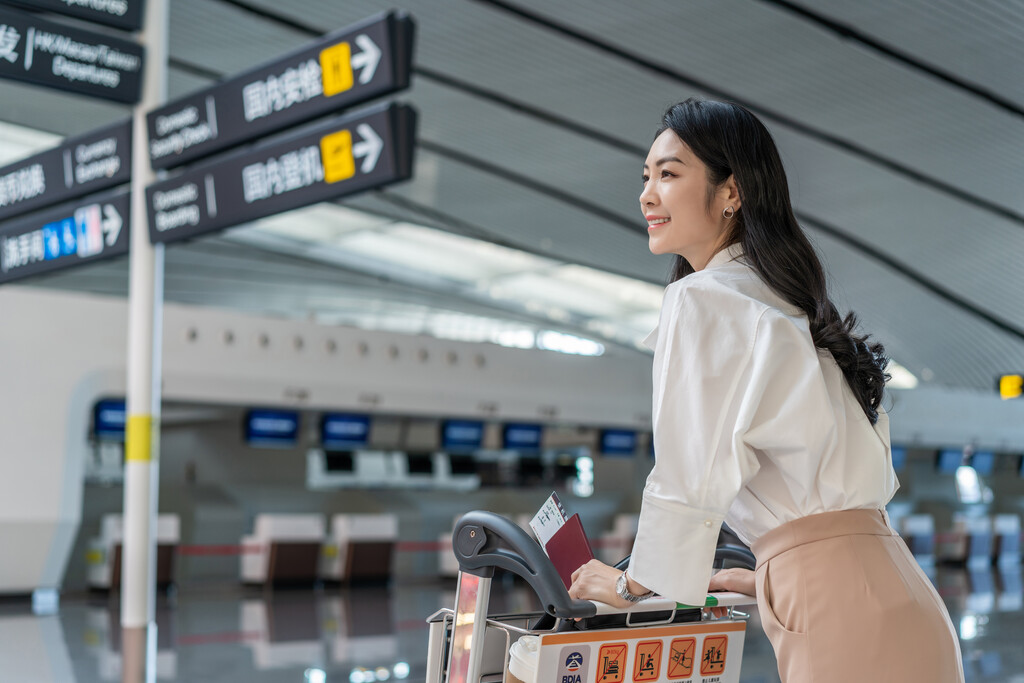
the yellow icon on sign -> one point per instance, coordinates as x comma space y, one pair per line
336, 153
336, 68
1011, 386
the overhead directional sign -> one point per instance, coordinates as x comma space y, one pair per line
78, 232
45, 53
338, 71
124, 14
339, 157
81, 165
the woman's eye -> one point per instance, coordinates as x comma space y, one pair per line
667, 174
645, 179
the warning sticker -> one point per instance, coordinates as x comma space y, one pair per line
712, 659
611, 663
647, 662
680, 658
574, 664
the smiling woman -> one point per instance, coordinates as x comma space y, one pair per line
767, 415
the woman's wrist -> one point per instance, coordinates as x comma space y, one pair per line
634, 587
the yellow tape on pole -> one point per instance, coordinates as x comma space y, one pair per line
139, 438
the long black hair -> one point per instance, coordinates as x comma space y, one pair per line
731, 141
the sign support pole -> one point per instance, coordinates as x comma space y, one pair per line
145, 318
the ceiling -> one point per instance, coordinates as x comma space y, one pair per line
901, 124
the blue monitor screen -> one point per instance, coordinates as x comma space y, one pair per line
522, 437
983, 462
462, 435
339, 431
272, 428
948, 460
109, 419
618, 442
899, 458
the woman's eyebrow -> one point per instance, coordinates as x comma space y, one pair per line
665, 160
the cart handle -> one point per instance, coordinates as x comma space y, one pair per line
484, 540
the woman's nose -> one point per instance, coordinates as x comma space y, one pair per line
647, 197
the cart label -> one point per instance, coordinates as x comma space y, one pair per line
611, 663
712, 660
574, 664
680, 658
647, 662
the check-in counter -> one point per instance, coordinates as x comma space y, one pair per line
283, 548
1006, 532
360, 547
103, 556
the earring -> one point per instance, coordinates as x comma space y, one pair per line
729, 212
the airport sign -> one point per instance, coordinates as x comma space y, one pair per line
122, 14
45, 53
78, 166
75, 233
333, 159
343, 69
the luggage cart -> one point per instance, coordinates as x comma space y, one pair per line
580, 641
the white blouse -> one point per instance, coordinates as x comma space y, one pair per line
752, 425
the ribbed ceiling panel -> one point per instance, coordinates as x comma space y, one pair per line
979, 42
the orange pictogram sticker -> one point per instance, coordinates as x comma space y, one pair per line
647, 662
712, 659
611, 663
680, 658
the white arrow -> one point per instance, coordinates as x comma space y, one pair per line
111, 224
367, 60
370, 147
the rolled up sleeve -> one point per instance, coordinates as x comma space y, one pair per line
702, 369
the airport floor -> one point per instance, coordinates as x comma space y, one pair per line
378, 633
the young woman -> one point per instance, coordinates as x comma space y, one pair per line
767, 415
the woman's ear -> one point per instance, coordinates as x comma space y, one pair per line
730, 193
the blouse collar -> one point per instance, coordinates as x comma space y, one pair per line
721, 258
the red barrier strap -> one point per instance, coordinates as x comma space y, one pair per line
198, 550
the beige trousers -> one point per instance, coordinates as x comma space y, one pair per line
842, 600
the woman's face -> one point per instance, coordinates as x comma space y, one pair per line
675, 203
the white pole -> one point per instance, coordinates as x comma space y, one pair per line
145, 314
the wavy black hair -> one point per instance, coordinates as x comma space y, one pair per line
731, 141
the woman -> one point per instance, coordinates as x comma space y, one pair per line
767, 415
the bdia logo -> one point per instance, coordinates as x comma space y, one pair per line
573, 662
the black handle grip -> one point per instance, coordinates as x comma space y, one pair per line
483, 540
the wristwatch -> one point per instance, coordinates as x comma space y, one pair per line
622, 590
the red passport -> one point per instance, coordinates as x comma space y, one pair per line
569, 549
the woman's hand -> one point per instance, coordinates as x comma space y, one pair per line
596, 581
735, 580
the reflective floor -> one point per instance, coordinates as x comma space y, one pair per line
378, 633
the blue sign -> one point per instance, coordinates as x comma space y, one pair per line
949, 460
983, 462
344, 431
618, 442
521, 437
573, 662
109, 417
462, 435
899, 457
274, 428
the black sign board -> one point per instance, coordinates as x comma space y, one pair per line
343, 69
81, 165
90, 229
123, 14
332, 159
45, 53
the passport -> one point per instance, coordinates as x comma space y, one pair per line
569, 549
